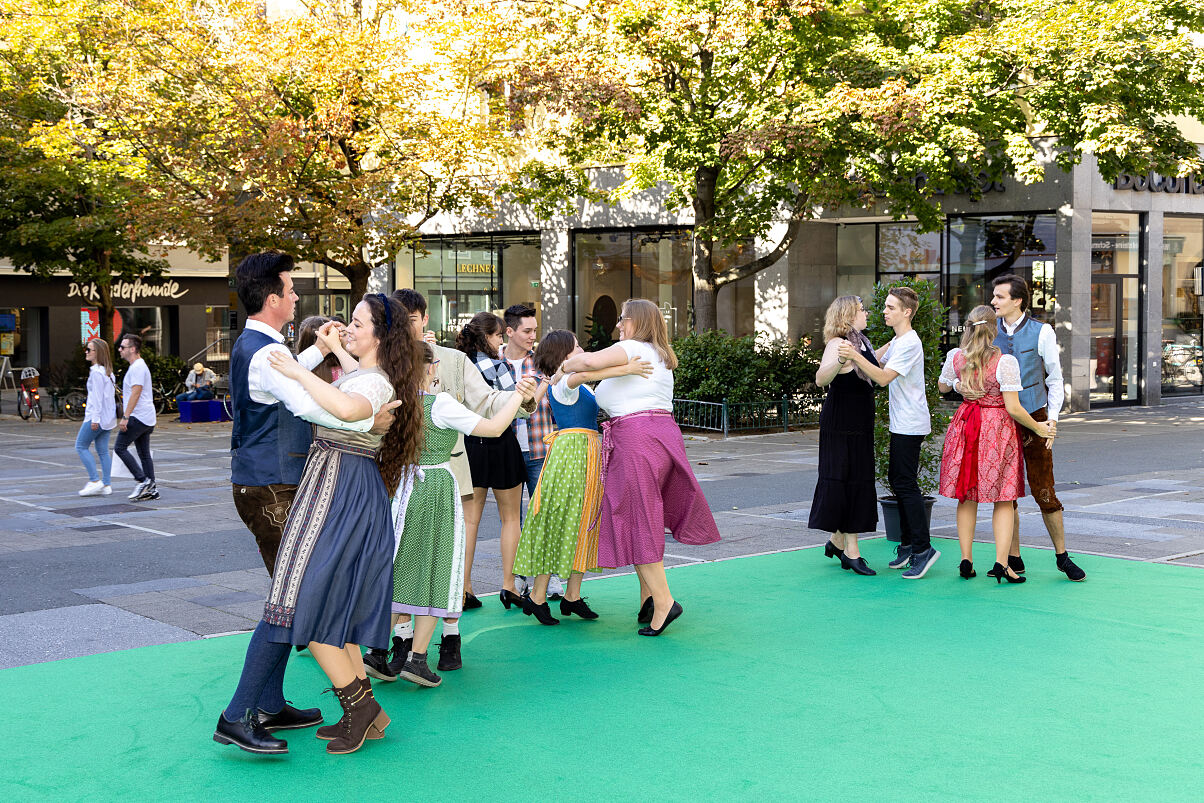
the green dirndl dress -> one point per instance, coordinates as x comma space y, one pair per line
428, 517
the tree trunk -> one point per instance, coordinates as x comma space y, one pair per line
105, 307
706, 315
358, 275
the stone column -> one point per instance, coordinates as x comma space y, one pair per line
555, 278
1072, 282
1151, 314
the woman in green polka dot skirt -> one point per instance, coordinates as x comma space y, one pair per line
428, 572
560, 535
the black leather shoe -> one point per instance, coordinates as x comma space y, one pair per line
540, 612
248, 734
289, 718
1016, 564
376, 664
645, 614
470, 601
966, 569
509, 598
857, 565
1073, 572
831, 550
577, 606
449, 654
674, 612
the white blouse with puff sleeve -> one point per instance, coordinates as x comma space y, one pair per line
1007, 372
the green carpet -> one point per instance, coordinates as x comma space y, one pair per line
785, 678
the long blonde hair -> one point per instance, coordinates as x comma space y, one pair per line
978, 345
648, 325
838, 321
101, 349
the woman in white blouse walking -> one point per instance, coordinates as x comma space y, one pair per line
100, 419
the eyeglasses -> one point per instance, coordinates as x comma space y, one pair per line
624, 318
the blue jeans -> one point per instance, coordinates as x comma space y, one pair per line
534, 467
86, 437
195, 395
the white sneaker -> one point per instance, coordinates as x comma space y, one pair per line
139, 489
108, 489
555, 586
92, 489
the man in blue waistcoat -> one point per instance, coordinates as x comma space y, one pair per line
1035, 347
268, 446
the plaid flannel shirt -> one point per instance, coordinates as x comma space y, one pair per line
540, 423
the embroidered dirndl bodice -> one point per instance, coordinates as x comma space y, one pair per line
437, 443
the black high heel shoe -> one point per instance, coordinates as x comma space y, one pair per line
471, 601
1016, 564
832, 551
1000, 573
509, 598
540, 611
674, 612
967, 570
645, 614
578, 607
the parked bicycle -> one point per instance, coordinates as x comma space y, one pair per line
29, 399
71, 403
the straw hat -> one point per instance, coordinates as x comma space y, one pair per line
198, 368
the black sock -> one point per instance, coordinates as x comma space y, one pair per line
420, 657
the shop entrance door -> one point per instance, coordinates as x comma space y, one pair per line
1114, 340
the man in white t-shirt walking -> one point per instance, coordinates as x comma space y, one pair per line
902, 372
137, 419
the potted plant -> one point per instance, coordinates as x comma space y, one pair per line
929, 323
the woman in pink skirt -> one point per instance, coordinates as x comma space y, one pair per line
983, 460
647, 482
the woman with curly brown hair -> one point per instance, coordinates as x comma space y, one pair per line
334, 572
496, 463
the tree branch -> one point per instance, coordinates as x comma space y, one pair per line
797, 216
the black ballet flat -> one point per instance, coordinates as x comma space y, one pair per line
645, 614
674, 612
967, 570
471, 601
832, 551
509, 598
577, 606
1000, 573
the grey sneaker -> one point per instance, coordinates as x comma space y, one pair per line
139, 489
902, 557
921, 562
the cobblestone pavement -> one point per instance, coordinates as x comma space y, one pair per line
85, 575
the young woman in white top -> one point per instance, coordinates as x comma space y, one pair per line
647, 482
100, 419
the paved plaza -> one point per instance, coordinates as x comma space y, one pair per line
90, 575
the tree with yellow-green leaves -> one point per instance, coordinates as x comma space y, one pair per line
331, 132
759, 112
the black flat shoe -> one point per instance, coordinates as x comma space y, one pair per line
1016, 564
509, 598
470, 601
289, 718
249, 735
541, 611
1000, 574
674, 612
1070, 568
966, 568
831, 550
577, 606
645, 614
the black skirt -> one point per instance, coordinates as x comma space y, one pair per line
496, 462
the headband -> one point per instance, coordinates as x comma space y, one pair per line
388, 313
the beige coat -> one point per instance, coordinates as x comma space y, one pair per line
457, 376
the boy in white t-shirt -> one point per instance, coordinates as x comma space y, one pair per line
902, 372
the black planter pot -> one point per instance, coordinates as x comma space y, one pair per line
890, 516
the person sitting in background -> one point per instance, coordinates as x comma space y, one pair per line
198, 385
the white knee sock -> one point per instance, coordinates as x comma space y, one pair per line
404, 629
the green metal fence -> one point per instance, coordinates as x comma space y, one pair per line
727, 417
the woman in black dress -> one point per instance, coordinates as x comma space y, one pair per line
495, 463
845, 500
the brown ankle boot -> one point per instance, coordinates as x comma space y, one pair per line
328, 732
362, 713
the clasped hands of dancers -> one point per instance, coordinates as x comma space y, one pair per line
1008, 372
363, 529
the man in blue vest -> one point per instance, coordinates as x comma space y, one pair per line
1035, 347
268, 446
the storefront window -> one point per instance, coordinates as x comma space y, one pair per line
1183, 256
147, 323
856, 259
461, 276
1115, 275
20, 330
981, 249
